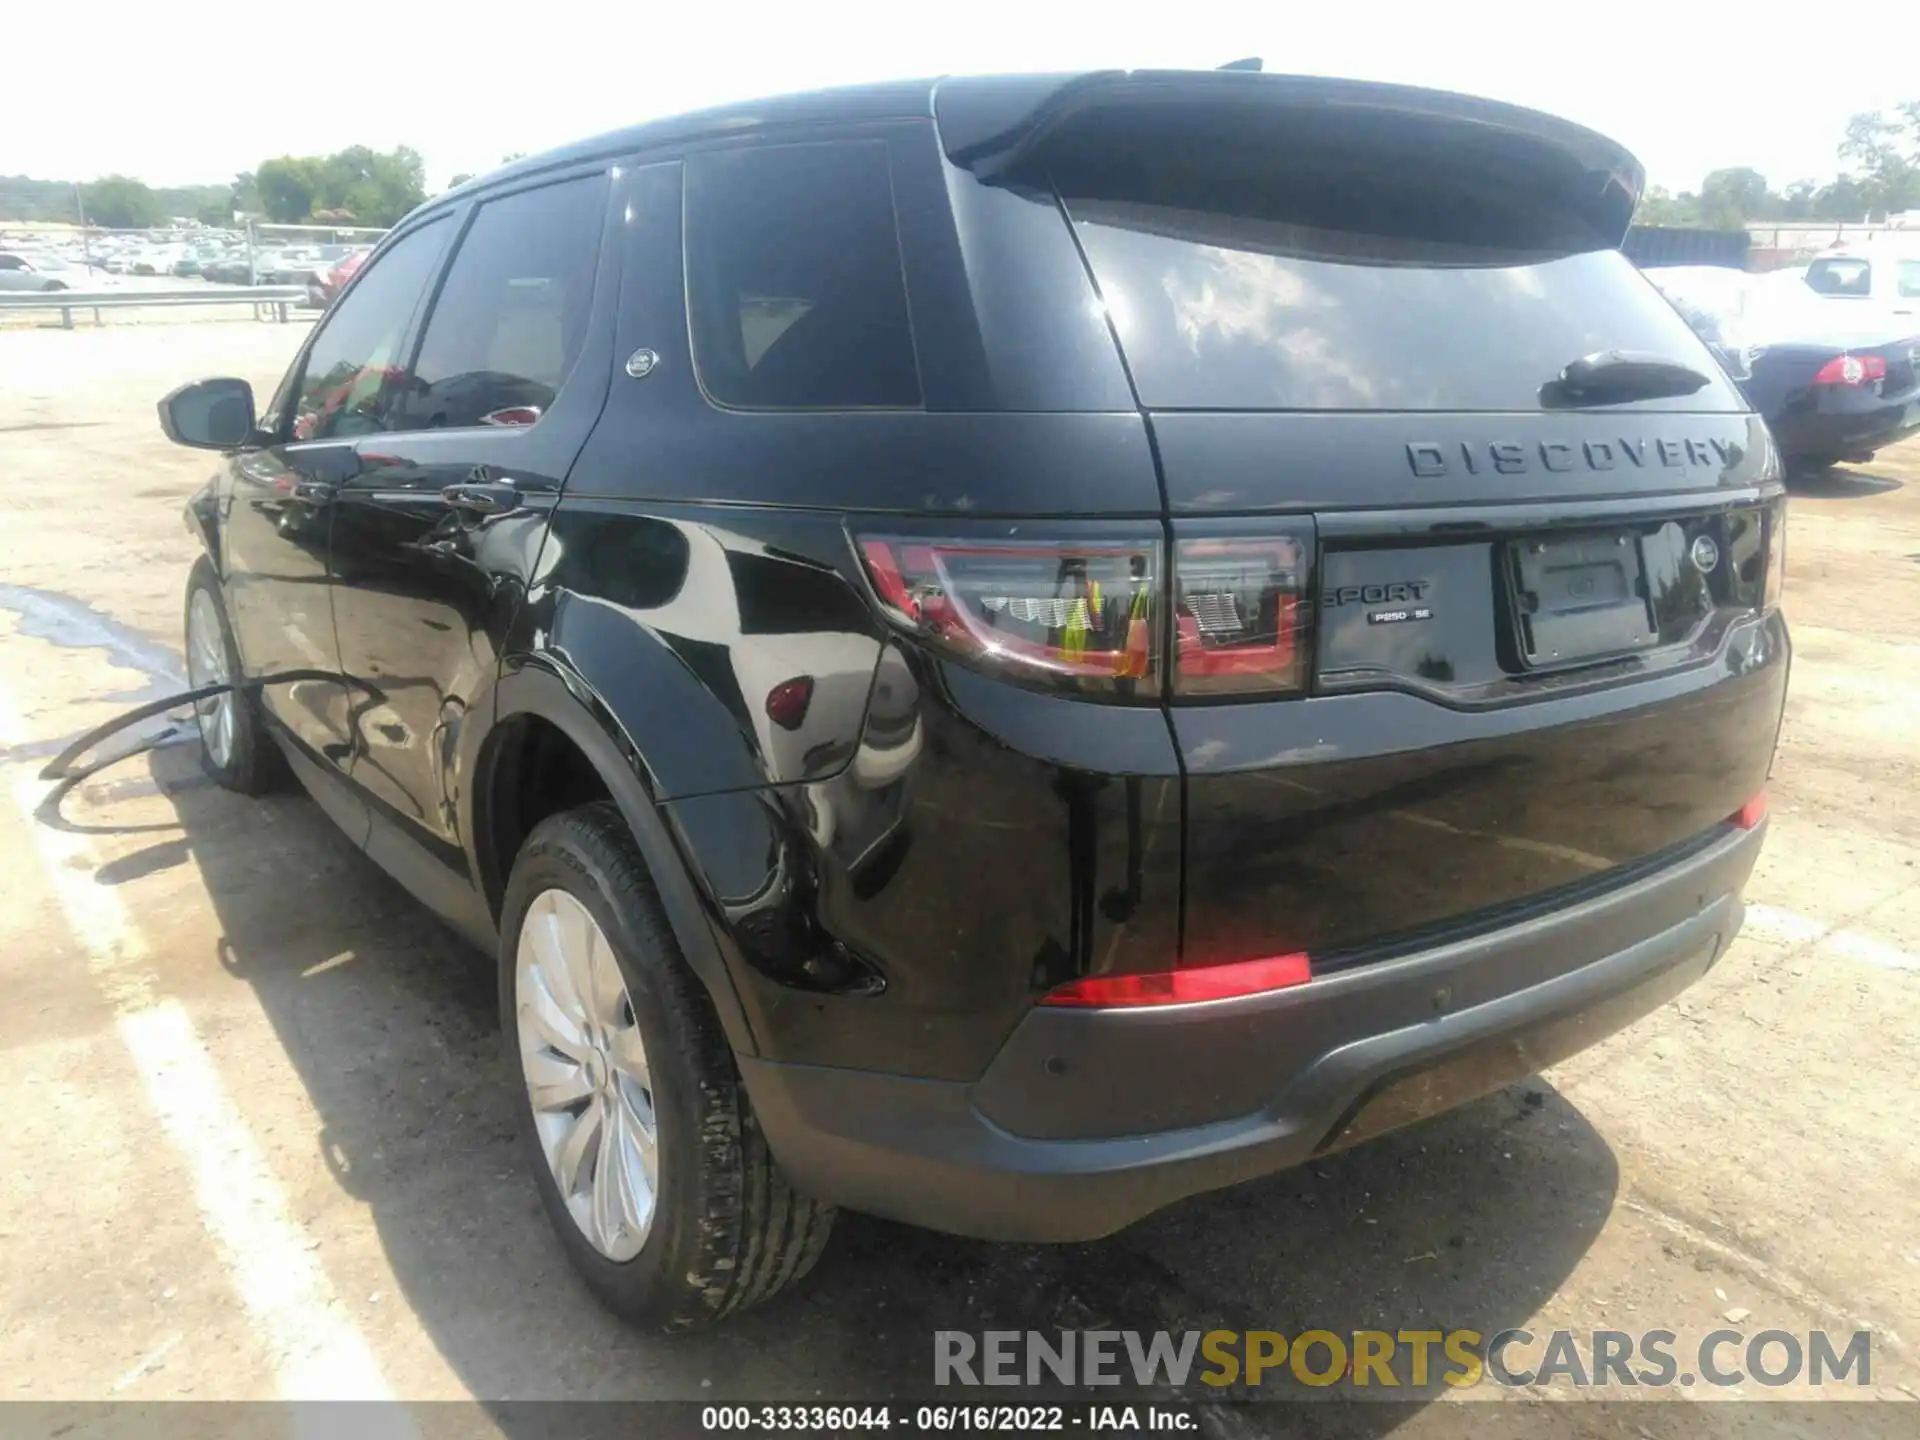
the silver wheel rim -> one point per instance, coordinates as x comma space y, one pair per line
207, 665
586, 1073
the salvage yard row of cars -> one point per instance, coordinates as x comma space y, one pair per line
217, 256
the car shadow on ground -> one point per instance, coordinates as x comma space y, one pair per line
1470, 1221
1843, 482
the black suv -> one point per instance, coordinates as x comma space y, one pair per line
1001, 652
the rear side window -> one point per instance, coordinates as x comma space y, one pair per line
512, 315
1836, 276
357, 351
795, 293
1908, 279
1249, 311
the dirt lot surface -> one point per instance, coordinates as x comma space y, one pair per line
258, 1127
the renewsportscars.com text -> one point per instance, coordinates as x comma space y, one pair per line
1394, 1359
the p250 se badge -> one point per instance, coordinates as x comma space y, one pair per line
1401, 597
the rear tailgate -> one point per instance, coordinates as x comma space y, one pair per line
1540, 659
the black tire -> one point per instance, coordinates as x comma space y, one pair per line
728, 1229
254, 764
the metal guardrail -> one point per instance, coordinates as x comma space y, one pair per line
274, 298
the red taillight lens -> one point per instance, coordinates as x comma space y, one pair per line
1076, 615
1242, 612
1185, 987
1751, 813
1851, 370
787, 702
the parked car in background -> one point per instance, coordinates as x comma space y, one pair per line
1884, 272
324, 285
290, 266
1835, 374
39, 274
1704, 295
230, 268
156, 260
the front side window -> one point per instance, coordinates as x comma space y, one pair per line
1908, 279
513, 313
793, 275
357, 352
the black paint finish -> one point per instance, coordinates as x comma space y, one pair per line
1354, 820
903, 915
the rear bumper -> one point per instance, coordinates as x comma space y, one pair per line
1089, 1120
1836, 433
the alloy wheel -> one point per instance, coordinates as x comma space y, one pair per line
586, 1073
207, 665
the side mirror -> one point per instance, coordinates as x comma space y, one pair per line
209, 414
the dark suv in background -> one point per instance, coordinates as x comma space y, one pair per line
1001, 652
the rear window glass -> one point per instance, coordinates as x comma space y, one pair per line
1840, 277
1244, 312
793, 276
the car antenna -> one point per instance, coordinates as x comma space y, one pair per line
1252, 62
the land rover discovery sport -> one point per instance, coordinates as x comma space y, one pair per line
1001, 652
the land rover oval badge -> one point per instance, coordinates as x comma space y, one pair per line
1705, 553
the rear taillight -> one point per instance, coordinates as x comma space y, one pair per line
1752, 813
1084, 614
1077, 615
1851, 370
1776, 554
1185, 986
1242, 613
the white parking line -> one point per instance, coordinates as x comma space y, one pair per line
1767, 923
319, 1352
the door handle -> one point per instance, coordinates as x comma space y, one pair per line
483, 497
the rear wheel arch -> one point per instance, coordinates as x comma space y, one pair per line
546, 714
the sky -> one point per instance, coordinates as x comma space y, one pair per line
1687, 86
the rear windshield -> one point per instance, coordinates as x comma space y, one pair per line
1840, 277
1255, 312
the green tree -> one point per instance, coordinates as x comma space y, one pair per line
375, 188
462, 178
1730, 198
1660, 207
286, 188
122, 203
1843, 199
1885, 153
1797, 201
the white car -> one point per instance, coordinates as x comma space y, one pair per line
1883, 273
41, 274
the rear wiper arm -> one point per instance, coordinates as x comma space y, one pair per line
1611, 377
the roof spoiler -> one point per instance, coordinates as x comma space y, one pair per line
1002, 128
